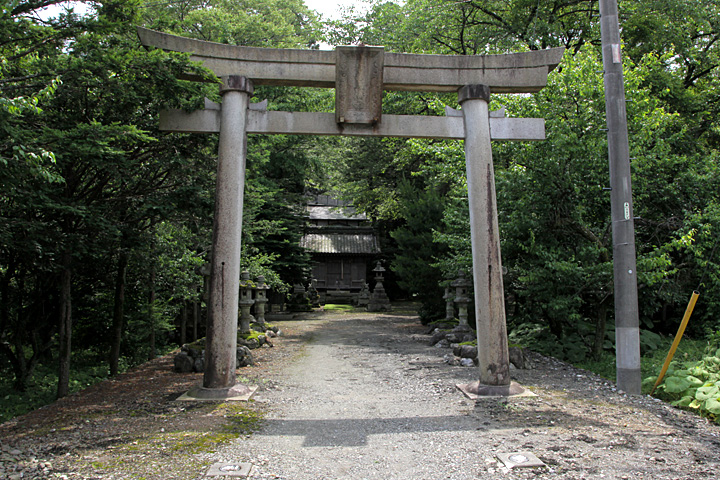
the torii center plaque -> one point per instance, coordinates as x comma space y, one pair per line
359, 75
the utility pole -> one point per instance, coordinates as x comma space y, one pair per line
627, 325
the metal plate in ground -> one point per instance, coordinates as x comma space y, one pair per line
229, 470
520, 460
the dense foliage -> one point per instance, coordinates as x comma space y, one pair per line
553, 202
104, 220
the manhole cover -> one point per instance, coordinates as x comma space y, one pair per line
520, 459
229, 470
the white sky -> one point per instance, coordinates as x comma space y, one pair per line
328, 8
332, 8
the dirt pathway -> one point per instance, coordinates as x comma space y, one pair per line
370, 400
358, 396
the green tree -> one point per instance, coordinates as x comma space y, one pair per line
110, 175
554, 213
417, 254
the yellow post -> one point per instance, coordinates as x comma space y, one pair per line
678, 337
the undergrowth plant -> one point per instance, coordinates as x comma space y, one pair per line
693, 385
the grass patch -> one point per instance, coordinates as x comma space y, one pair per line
337, 307
194, 443
243, 419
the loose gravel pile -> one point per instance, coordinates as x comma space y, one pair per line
362, 396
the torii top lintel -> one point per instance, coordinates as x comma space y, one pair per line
524, 72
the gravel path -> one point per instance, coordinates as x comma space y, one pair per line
370, 400
359, 396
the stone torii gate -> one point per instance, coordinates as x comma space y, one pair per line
359, 76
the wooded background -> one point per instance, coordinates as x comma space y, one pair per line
104, 220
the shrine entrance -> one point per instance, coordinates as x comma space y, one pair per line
359, 76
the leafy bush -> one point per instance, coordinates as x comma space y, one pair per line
43, 386
572, 347
693, 385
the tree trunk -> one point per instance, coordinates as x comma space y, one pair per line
600, 322
151, 314
5, 298
14, 349
118, 312
196, 319
183, 323
17, 353
65, 326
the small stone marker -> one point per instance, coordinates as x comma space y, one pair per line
229, 470
379, 300
520, 459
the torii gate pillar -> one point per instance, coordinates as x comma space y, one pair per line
221, 339
492, 346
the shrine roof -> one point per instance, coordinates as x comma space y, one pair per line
343, 243
321, 212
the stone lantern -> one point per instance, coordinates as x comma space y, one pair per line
313, 294
461, 298
246, 301
449, 304
299, 301
260, 299
379, 299
363, 298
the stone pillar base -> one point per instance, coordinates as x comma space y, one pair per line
477, 390
235, 393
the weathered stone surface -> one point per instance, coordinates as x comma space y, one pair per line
363, 298
182, 363
227, 234
299, 301
192, 350
379, 300
251, 343
451, 360
485, 241
314, 123
244, 357
465, 351
467, 362
358, 84
199, 364
437, 335
518, 358
524, 72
